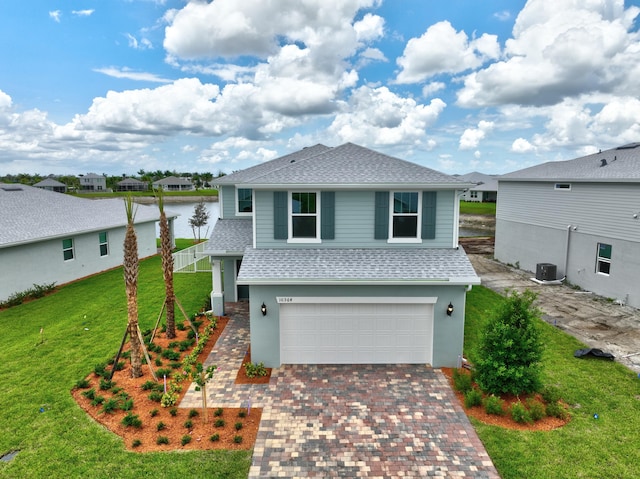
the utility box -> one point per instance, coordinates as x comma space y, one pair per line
545, 272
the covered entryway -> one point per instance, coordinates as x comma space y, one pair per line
356, 330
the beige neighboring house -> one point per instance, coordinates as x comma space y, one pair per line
92, 183
132, 184
173, 183
48, 237
50, 184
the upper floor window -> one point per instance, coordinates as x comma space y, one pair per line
603, 260
67, 249
103, 240
405, 214
244, 200
304, 218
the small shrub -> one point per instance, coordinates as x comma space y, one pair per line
158, 362
109, 406
164, 372
237, 439
100, 369
219, 423
149, 385
126, 405
180, 326
90, 394
494, 405
472, 398
131, 420
462, 381
136, 443
162, 440
186, 439
119, 366
173, 411
242, 413
105, 384
170, 355
555, 409
218, 412
154, 412
97, 400
116, 390
520, 414
193, 413
536, 409
550, 394
238, 426
160, 426
255, 370
82, 384
188, 424
155, 396
175, 365
215, 437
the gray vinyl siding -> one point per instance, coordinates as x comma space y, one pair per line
354, 223
228, 203
447, 331
532, 226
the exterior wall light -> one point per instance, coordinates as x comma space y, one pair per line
449, 309
263, 309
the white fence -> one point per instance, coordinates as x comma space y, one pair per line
191, 260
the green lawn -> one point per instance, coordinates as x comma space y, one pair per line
606, 447
475, 208
83, 324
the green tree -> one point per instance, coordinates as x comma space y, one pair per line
199, 219
509, 356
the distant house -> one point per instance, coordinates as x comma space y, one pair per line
47, 237
485, 189
578, 219
173, 183
346, 255
92, 183
131, 184
50, 184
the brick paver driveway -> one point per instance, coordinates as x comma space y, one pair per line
349, 421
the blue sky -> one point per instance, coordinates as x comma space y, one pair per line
458, 86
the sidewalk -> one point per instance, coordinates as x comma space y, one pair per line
591, 319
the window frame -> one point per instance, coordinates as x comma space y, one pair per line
104, 244
291, 215
243, 213
603, 260
418, 215
66, 249
562, 186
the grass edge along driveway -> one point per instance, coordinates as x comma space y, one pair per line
587, 447
83, 324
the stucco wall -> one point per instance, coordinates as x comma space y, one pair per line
448, 330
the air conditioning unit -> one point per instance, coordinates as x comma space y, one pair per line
545, 272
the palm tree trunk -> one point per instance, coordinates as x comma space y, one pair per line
167, 269
131, 266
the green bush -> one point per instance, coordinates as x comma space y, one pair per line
555, 409
126, 405
160, 426
536, 409
186, 439
173, 411
131, 420
520, 414
238, 426
82, 384
149, 385
109, 406
494, 405
106, 384
136, 443
154, 412
472, 398
255, 370
462, 381
162, 440
155, 396
509, 356
237, 439
219, 423
193, 413
97, 400
215, 437
550, 394
90, 394
188, 424
242, 413
218, 412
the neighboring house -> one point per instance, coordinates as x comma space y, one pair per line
346, 255
485, 189
93, 183
173, 183
47, 237
580, 218
132, 184
50, 184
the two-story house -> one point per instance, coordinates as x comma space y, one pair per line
346, 256
579, 218
93, 183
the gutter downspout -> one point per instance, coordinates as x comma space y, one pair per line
566, 256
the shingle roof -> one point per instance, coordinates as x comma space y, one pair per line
131, 181
357, 266
230, 237
49, 182
29, 214
482, 182
621, 164
172, 180
346, 165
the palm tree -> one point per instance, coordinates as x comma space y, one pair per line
167, 268
130, 266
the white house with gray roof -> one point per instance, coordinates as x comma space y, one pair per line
346, 255
484, 190
48, 237
580, 218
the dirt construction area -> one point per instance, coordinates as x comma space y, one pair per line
596, 321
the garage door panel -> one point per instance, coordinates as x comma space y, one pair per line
358, 333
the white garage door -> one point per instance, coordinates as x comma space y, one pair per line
356, 333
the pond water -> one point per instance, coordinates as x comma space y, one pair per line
181, 228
